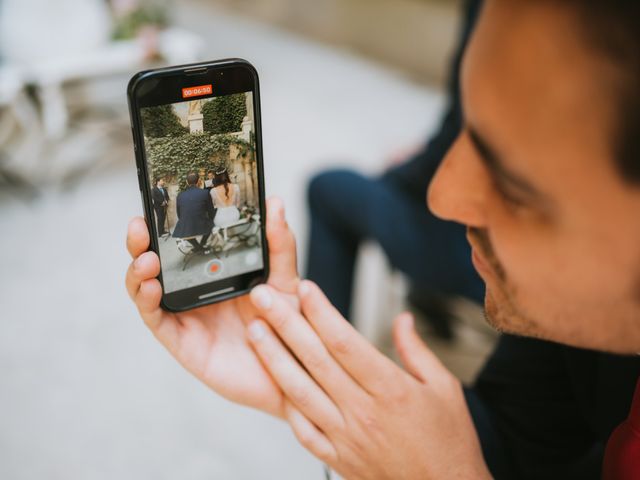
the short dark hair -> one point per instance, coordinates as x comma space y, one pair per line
612, 28
192, 178
157, 179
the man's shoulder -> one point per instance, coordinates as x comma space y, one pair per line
201, 192
194, 192
183, 194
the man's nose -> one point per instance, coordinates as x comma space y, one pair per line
459, 190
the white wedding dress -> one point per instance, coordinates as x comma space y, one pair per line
227, 211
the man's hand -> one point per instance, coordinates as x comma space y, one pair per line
354, 408
210, 342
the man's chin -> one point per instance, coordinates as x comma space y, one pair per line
491, 312
502, 315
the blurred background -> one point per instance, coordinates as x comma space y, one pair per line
85, 390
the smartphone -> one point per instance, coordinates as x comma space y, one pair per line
198, 148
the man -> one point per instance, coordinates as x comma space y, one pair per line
546, 176
347, 208
210, 181
160, 198
195, 214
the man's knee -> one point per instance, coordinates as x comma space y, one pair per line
325, 186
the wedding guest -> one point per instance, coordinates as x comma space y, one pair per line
210, 181
160, 198
347, 207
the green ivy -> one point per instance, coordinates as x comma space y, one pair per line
173, 157
161, 121
224, 114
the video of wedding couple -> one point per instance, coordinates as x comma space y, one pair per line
203, 172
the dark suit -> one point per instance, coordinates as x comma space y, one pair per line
545, 411
160, 199
195, 213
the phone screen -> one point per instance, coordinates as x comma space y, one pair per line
204, 184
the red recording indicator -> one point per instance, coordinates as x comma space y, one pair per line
198, 91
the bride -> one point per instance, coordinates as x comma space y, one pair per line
226, 199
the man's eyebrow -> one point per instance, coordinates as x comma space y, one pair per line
497, 169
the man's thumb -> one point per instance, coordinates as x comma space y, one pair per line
283, 271
416, 357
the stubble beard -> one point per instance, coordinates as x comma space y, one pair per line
501, 310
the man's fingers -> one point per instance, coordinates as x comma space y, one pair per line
146, 292
417, 358
145, 289
148, 298
137, 237
304, 343
309, 436
283, 271
163, 325
366, 365
144, 267
293, 380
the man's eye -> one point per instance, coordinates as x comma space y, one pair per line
510, 199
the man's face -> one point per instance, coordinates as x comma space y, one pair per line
161, 183
210, 176
554, 228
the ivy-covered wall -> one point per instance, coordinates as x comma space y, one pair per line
161, 121
173, 157
224, 114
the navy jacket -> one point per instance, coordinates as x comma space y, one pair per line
195, 213
159, 196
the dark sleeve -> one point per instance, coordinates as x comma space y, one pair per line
178, 205
415, 175
154, 198
528, 416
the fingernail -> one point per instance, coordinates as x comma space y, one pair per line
256, 331
409, 320
262, 297
279, 208
303, 288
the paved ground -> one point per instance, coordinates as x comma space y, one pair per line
85, 390
180, 272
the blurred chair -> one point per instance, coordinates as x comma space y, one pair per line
19, 128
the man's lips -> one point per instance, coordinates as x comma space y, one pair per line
479, 261
481, 265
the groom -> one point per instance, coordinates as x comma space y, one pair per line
195, 214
